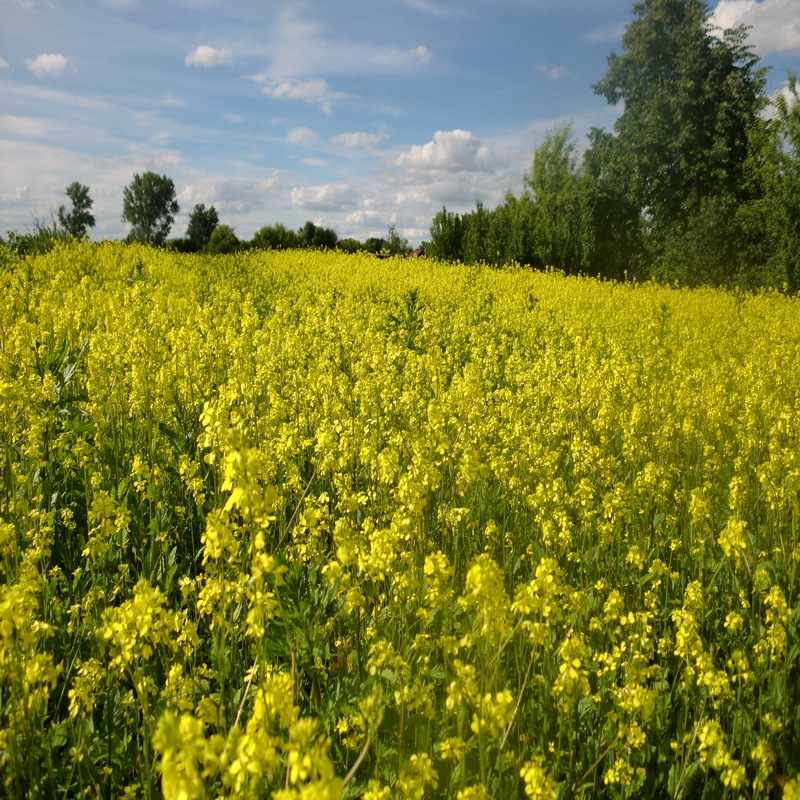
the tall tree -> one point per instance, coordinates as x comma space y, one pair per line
149, 205
202, 223
275, 237
76, 221
446, 236
223, 240
691, 97
559, 219
395, 243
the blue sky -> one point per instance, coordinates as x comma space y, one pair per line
355, 114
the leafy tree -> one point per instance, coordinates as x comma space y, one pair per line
446, 236
202, 223
785, 184
349, 245
375, 244
314, 236
691, 99
395, 243
560, 234
76, 221
614, 215
150, 206
222, 240
275, 237
475, 235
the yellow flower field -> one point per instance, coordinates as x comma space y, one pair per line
309, 525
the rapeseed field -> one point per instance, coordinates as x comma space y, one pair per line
308, 525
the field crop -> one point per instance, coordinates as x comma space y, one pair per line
308, 525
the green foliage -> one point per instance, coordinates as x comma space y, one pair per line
76, 221
560, 217
316, 237
690, 99
275, 237
150, 206
202, 223
374, 244
395, 243
223, 240
41, 238
446, 236
349, 245
771, 221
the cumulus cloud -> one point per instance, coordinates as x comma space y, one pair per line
552, 72
47, 64
3, 64
450, 151
325, 197
358, 140
235, 195
301, 136
314, 91
775, 24
205, 56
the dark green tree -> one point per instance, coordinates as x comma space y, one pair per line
771, 221
349, 245
560, 224
317, 237
395, 243
275, 237
223, 240
614, 214
76, 221
202, 223
692, 99
446, 237
375, 244
149, 205
475, 247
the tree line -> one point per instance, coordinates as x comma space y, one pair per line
149, 205
698, 182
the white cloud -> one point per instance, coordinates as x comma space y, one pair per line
19, 195
205, 56
606, 34
300, 47
47, 64
314, 91
325, 197
231, 195
552, 72
358, 140
172, 102
3, 64
419, 53
27, 127
451, 151
775, 24
313, 162
301, 136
